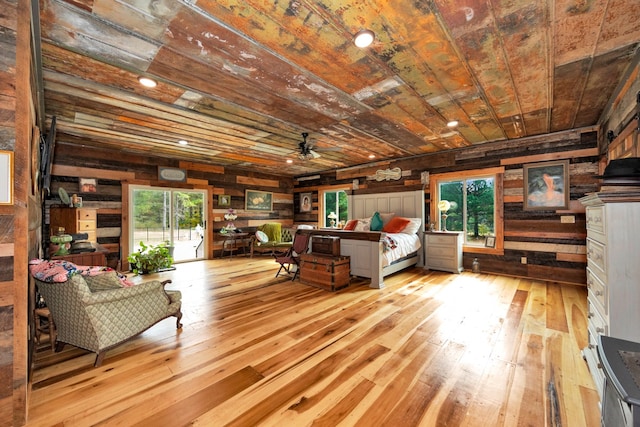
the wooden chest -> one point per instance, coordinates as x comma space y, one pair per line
328, 245
326, 272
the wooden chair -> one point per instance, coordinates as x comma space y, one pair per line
292, 256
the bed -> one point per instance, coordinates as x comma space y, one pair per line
369, 250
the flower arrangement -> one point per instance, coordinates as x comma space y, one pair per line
230, 216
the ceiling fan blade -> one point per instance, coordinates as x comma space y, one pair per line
314, 154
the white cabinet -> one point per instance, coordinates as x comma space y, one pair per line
443, 250
613, 271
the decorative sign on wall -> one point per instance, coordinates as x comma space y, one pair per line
388, 174
172, 174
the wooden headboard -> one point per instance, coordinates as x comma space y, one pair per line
409, 204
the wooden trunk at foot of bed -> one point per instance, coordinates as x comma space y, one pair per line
324, 271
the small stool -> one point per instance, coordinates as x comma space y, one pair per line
49, 328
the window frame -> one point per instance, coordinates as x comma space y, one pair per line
321, 196
498, 174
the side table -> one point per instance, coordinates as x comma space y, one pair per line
47, 327
232, 242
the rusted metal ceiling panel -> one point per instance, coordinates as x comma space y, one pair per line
241, 79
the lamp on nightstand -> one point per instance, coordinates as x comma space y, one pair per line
332, 216
444, 206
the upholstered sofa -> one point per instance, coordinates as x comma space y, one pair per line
275, 239
96, 313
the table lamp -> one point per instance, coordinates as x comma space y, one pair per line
444, 206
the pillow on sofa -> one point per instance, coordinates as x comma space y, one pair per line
262, 236
395, 225
351, 225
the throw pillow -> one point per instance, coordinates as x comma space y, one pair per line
395, 225
413, 227
363, 224
376, 222
386, 217
351, 225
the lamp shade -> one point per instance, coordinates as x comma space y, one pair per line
332, 215
444, 205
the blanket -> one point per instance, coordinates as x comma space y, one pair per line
59, 271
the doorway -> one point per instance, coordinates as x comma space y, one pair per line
172, 215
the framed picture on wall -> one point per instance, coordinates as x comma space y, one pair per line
255, 200
6, 177
87, 185
490, 242
305, 202
224, 200
546, 185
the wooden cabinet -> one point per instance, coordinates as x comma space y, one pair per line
85, 258
443, 251
74, 220
613, 271
325, 271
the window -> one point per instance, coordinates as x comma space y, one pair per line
474, 207
168, 214
334, 207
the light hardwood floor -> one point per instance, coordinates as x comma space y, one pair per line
431, 348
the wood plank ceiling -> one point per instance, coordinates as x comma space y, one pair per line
241, 79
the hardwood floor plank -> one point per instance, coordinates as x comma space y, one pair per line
429, 349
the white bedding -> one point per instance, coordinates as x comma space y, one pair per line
405, 244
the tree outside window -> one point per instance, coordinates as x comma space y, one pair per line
472, 208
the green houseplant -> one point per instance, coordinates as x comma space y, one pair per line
150, 258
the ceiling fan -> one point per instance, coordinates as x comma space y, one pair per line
306, 149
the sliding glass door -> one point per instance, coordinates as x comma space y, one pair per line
175, 216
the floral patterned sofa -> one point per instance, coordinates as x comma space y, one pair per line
96, 309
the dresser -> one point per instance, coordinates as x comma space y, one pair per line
613, 271
74, 220
443, 250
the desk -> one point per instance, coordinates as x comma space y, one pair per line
232, 242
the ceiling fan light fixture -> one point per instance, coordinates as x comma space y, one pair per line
147, 81
363, 38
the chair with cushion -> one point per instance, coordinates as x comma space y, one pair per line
291, 258
271, 238
97, 310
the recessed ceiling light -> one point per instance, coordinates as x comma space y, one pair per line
372, 156
182, 142
146, 81
452, 123
363, 38
289, 161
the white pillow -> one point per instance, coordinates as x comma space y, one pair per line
262, 236
413, 227
364, 224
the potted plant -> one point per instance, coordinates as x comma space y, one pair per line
150, 258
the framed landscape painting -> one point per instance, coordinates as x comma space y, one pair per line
546, 185
258, 201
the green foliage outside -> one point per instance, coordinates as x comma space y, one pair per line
152, 209
480, 196
336, 201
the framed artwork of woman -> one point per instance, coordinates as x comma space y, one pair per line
305, 202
